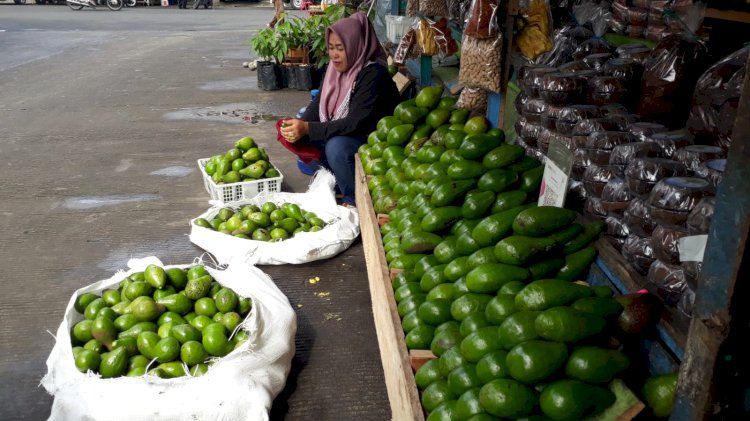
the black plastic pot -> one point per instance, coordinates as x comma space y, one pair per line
305, 77
290, 76
269, 76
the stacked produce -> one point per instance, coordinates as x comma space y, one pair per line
172, 321
585, 96
267, 222
485, 277
246, 161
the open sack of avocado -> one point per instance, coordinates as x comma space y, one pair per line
172, 343
279, 228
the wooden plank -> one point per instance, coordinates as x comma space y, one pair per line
713, 377
731, 15
420, 356
613, 261
399, 377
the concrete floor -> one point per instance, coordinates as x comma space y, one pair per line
99, 142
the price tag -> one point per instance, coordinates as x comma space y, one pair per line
692, 248
556, 175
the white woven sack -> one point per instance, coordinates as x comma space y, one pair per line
337, 236
240, 386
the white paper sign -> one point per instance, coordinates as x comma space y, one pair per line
557, 169
692, 248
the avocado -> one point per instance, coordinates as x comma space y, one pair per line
198, 287
593, 364
104, 331
491, 229
463, 378
497, 180
489, 277
517, 328
177, 303
601, 306
520, 250
639, 312
155, 276
545, 293
476, 146
576, 264
145, 309
659, 392
507, 398
566, 324
533, 361
113, 363
477, 204
574, 400
542, 220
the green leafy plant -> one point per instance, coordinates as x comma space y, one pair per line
265, 44
316, 30
296, 32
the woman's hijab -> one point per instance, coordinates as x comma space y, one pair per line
361, 47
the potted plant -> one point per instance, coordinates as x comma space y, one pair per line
293, 43
266, 44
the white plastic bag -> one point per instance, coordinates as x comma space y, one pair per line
240, 386
337, 236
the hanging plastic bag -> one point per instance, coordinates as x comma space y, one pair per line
459, 11
599, 18
443, 38
481, 63
434, 38
671, 71
482, 19
433, 8
716, 99
239, 386
407, 47
535, 29
474, 99
412, 8
341, 230
426, 39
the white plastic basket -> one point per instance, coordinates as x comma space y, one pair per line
237, 191
397, 26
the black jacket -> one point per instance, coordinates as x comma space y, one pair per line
374, 96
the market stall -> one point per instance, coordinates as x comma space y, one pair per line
647, 153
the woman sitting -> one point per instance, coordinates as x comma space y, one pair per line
357, 91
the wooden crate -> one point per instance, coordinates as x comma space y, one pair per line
399, 376
399, 363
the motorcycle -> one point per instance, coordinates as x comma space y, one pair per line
80, 4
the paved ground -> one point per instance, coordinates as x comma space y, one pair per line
102, 117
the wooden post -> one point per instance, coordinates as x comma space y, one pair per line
713, 380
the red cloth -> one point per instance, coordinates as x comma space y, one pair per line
304, 151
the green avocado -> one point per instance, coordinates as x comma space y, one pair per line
593, 364
573, 400
533, 361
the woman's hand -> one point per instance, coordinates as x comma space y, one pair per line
294, 129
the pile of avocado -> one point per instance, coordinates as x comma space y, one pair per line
267, 222
486, 278
246, 161
166, 320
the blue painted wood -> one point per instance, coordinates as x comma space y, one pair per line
714, 377
494, 103
614, 281
425, 71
